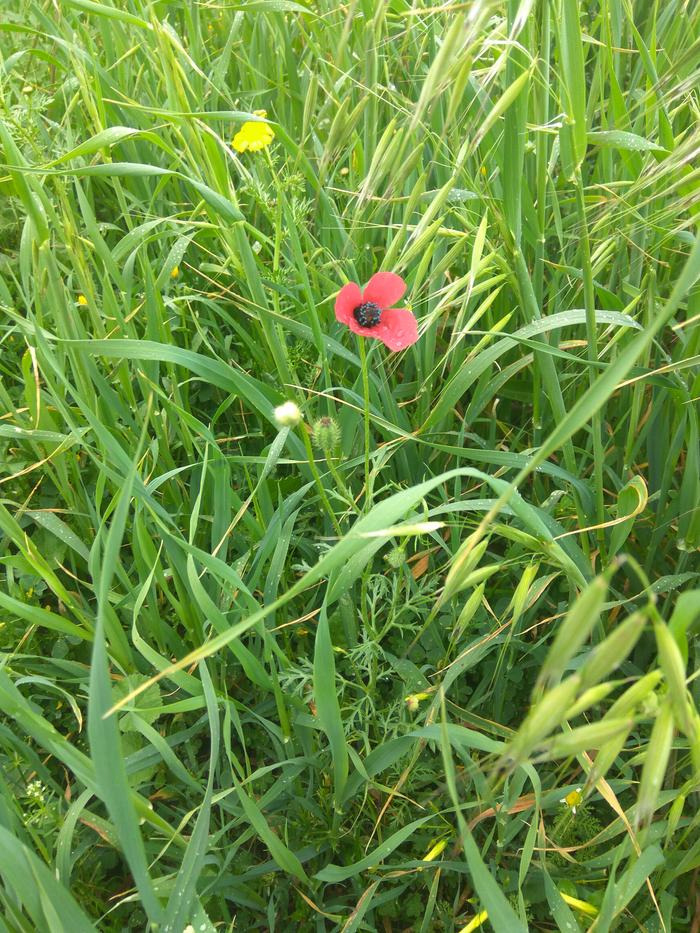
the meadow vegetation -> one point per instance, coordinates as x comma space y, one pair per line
425, 659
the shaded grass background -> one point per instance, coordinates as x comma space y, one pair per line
531, 171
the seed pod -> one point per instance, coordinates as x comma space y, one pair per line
519, 601
589, 698
613, 651
544, 717
573, 631
464, 561
595, 735
672, 665
519, 537
467, 613
655, 763
479, 575
674, 814
635, 695
695, 742
605, 758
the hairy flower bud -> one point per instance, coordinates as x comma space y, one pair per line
396, 557
326, 434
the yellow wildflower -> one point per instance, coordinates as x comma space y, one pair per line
175, 272
573, 799
414, 699
82, 300
253, 135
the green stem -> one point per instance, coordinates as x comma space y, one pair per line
639, 387
592, 340
317, 479
276, 262
339, 479
542, 155
291, 234
542, 91
365, 390
550, 379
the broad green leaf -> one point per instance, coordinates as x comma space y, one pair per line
179, 909
501, 915
574, 77
327, 706
105, 744
620, 139
48, 903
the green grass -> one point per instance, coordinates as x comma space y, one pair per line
250, 684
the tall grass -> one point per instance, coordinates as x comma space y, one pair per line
441, 676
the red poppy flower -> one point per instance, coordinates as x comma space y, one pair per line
368, 313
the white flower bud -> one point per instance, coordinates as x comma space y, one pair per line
287, 415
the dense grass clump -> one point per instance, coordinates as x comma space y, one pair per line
419, 656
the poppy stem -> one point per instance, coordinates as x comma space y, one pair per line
317, 479
365, 390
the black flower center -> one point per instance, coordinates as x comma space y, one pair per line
367, 314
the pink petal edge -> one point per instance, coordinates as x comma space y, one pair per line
384, 289
347, 299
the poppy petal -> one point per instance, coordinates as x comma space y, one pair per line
384, 289
360, 330
349, 297
397, 329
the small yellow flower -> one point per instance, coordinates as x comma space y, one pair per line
573, 799
82, 300
414, 699
253, 135
175, 272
